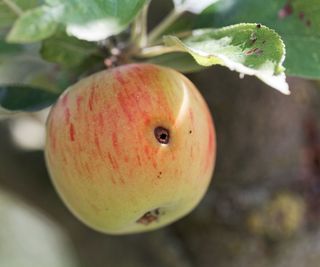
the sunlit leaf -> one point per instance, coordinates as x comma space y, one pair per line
8, 13
194, 6
297, 22
34, 25
92, 20
250, 49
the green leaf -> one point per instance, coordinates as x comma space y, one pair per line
96, 20
68, 51
297, 21
92, 20
9, 10
34, 25
250, 49
15, 98
181, 62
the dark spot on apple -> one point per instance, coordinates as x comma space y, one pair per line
190, 132
162, 135
159, 175
149, 217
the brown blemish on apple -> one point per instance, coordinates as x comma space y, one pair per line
162, 135
149, 217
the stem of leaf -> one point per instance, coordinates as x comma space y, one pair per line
13, 7
139, 28
157, 31
157, 50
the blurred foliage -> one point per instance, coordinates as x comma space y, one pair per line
29, 239
281, 217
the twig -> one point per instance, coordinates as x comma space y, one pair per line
139, 28
13, 7
157, 31
158, 50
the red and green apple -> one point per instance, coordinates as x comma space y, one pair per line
131, 149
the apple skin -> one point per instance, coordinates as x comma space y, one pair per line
105, 160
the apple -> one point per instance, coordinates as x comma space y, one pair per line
131, 149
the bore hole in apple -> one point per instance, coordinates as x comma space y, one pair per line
162, 135
149, 217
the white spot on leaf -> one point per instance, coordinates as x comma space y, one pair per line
194, 6
95, 30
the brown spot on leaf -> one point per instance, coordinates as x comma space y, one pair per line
253, 38
254, 51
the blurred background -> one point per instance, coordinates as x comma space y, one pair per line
262, 208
